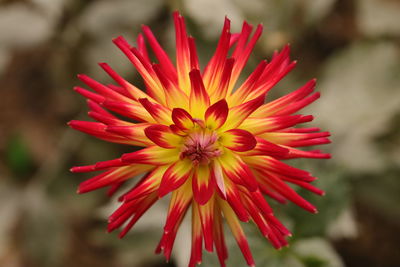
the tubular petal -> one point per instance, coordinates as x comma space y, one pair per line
152, 155
237, 232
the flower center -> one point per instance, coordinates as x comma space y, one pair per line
200, 147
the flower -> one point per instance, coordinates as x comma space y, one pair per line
216, 150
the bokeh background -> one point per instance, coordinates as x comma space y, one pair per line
351, 46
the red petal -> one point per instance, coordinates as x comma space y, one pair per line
238, 140
175, 176
239, 113
216, 114
152, 155
203, 185
207, 221
160, 113
182, 119
162, 136
237, 171
198, 99
237, 232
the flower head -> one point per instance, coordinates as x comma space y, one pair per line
205, 138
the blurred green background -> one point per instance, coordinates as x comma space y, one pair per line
351, 46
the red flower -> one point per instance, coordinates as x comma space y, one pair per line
218, 151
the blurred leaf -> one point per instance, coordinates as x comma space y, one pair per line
18, 157
312, 261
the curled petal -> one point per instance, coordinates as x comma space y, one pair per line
216, 114
182, 119
162, 136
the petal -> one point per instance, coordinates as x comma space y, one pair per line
112, 176
238, 140
218, 236
182, 119
282, 188
134, 111
237, 171
237, 231
221, 91
144, 68
216, 114
218, 176
133, 132
197, 237
149, 184
243, 50
213, 70
203, 185
98, 130
89, 95
182, 53
297, 139
180, 200
160, 113
104, 90
159, 52
162, 136
144, 205
178, 207
153, 155
206, 212
175, 176
281, 103
276, 166
274, 123
134, 209
266, 148
175, 97
133, 91
239, 113
243, 91
234, 199
198, 99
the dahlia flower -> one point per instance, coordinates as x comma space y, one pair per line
206, 139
